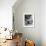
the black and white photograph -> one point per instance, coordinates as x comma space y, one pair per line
28, 20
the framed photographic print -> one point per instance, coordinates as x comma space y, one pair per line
28, 20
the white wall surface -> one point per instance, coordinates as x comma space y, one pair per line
43, 22
6, 13
29, 6
38, 8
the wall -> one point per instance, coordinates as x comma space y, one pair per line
43, 22
28, 6
6, 13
